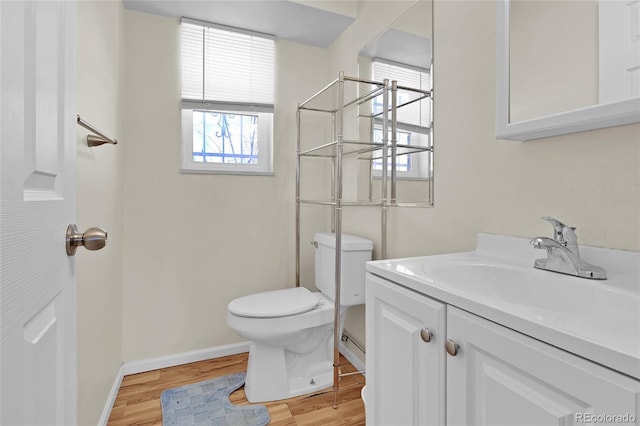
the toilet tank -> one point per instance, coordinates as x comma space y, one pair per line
355, 252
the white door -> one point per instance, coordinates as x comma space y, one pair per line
405, 356
37, 191
501, 377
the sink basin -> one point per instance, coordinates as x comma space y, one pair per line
599, 320
550, 298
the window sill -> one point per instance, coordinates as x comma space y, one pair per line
416, 178
225, 172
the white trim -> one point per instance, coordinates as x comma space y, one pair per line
265, 149
352, 357
224, 106
111, 399
225, 172
150, 364
141, 366
589, 118
578, 120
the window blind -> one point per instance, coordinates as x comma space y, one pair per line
225, 68
417, 113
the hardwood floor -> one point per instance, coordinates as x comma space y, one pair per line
138, 400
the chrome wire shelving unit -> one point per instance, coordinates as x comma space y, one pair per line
335, 103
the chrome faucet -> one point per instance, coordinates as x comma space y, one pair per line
563, 255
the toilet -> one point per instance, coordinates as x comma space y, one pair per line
290, 331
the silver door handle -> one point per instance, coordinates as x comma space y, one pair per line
92, 239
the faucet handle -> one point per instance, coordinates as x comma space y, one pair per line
562, 233
569, 235
571, 239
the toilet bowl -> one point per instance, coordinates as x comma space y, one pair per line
289, 354
290, 331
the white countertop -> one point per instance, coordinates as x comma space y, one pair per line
595, 319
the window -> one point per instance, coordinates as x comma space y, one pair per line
227, 99
413, 119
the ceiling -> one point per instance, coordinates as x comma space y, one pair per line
401, 47
289, 20
408, 40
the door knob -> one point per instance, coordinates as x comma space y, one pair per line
426, 335
92, 239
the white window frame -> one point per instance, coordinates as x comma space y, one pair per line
264, 112
419, 163
264, 165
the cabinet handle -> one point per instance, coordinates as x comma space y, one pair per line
426, 335
452, 347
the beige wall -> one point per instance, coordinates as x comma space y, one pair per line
99, 182
191, 243
194, 242
591, 180
181, 274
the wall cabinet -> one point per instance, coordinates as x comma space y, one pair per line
497, 377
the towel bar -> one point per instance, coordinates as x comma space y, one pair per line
98, 140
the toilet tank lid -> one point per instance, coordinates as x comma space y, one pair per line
349, 242
275, 303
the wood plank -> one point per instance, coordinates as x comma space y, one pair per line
138, 399
348, 413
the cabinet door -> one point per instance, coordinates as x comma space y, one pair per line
405, 374
501, 377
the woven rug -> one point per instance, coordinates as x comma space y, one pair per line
207, 403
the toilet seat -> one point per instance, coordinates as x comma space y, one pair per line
274, 304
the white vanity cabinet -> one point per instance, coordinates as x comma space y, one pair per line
498, 376
405, 356
502, 377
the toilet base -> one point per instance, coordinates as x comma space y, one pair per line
275, 373
289, 356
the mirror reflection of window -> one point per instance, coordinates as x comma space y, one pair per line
417, 113
403, 163
403, 52
413, 118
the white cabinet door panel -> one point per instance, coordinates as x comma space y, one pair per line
405, 374
501, 377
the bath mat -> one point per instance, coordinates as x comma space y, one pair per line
207, 403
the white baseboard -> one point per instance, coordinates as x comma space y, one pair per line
134, 367
111, 399
352, 357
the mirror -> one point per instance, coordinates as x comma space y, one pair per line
403, 52
566, 67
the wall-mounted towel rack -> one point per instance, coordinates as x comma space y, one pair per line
98, 140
